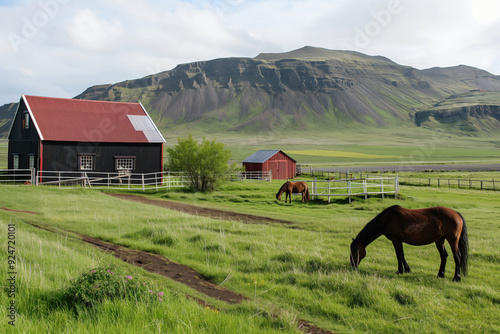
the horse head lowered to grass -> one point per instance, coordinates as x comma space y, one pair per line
416, 227
294, 188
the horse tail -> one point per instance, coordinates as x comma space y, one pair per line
307, 194
463, 247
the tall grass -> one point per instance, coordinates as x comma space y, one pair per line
295, 271
46, 264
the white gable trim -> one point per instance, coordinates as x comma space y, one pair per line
152, 123
32, 117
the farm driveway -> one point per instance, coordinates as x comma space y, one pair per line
202, 211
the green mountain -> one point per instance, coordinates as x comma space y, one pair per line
7, 112
310, 89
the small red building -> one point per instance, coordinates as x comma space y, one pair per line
282, 167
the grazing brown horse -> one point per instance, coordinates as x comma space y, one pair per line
417, 227
294, 187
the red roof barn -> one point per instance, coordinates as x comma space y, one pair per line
282, 167
53, 134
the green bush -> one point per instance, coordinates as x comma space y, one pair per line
98, 284
205, 164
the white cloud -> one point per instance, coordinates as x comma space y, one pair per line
105, 41
90, 32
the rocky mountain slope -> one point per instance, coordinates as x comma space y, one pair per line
306, 89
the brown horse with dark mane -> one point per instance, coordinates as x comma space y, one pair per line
417, 227
295, 188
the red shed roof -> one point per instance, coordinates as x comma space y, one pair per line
59, 119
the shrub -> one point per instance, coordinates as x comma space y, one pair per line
205, 163
98, 284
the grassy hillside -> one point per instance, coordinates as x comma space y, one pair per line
298, 271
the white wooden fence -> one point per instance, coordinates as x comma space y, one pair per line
355, 187
250, 176
122, 180
17, 176
132, 181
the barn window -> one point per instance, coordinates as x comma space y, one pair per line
125, 163
31, 161
15, 161
86, 162
26, 120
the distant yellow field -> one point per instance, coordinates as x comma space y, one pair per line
341, 154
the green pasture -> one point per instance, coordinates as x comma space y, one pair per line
289, 272
392, 145
352, 146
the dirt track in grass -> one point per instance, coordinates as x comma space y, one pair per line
180, 273
202, 211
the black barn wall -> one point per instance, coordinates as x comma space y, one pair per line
23, 141
63, 156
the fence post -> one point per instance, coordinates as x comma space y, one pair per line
349, 191
365, 189
314, 187
142, 181
329, 185
382, 187
396, 186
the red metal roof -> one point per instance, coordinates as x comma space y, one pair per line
74, 120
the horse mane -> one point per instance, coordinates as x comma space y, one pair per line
374, 228
283, 187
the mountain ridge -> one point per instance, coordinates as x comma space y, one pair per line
303, 89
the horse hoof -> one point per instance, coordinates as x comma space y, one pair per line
441, 275
456, 279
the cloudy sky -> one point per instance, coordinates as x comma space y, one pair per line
60, 47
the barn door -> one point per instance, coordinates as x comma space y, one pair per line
278, 169
282, 170
273, 167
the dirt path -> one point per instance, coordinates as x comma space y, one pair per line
12, 210
202, 211
180, 273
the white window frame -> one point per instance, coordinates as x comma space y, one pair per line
86, 162
15, 161
26, 120
31, 158
125, 163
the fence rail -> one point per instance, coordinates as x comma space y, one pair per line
250, 176
355, 187
122, 180
132, 181
452, 183
17, 176
459, 183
